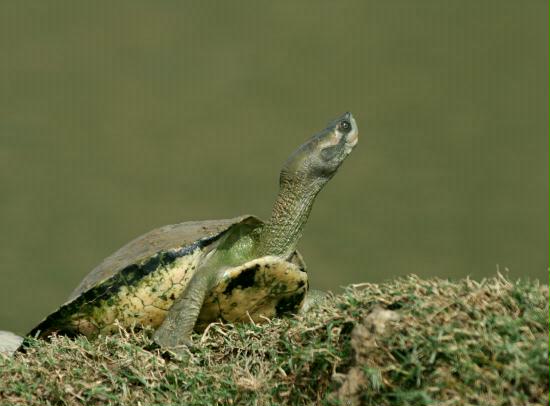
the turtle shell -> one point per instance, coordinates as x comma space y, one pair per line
255, 291
138, 284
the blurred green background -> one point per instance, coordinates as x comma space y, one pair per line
118, 117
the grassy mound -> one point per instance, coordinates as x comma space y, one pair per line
408, 342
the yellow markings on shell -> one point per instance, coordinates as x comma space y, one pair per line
274, 280
144, 304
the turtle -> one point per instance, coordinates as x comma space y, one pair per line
180, 278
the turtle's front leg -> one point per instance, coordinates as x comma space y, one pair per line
175, 331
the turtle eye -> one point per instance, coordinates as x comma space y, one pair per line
345, 125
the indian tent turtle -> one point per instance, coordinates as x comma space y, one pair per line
184, 276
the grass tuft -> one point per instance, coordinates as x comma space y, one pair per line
406, 342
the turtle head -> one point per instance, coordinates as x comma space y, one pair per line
316, 161
304, 174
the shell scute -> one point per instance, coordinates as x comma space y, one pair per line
260, 289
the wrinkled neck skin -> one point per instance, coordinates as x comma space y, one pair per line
280, 235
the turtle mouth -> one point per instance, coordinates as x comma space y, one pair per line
351, 141
352, 138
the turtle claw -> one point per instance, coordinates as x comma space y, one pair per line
181, 353
186, 345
